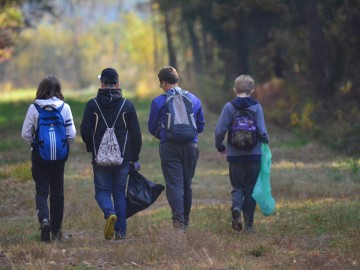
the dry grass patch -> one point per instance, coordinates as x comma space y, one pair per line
315, 226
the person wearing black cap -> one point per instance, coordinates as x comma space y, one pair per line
109, 108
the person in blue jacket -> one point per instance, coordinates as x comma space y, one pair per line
178, 160
244, 165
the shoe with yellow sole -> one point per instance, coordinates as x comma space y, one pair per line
109, 227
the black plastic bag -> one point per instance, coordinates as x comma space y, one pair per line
141, 193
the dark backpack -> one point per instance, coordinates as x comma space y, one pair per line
180, 125
50, 135
242, 132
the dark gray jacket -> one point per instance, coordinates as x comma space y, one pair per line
222, 126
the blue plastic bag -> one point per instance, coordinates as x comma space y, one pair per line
262, 190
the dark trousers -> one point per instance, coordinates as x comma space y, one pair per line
243, 178
49, 179
178, 163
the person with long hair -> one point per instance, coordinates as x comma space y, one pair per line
48, 175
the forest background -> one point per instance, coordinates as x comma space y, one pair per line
304, 55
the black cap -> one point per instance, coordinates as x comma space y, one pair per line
109, 76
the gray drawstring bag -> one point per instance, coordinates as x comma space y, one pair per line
109, 153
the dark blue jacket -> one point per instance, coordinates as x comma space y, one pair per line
158, 114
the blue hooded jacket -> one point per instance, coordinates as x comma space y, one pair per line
222, 126
158, 114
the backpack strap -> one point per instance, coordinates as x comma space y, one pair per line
40, 109
123, 153
174, 91
61, 107
184, 92
101, 112
122, 105
237, 108
103, 115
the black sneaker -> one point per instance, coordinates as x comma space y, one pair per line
179, 226
56, 236
236, 221
249, 229
45, 231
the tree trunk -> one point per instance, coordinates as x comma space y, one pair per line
154, 22
195, 46
208, 49
235, 56
170, 45
316, 50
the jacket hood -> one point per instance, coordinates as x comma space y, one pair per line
244, 102
53, 102
109, 97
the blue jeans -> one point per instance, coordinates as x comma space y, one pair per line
110, 185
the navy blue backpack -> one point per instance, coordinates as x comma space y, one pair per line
50, 135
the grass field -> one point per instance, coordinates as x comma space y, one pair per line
316, 224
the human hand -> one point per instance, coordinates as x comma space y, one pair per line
136, 165
223, 153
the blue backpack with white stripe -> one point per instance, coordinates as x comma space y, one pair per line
50, 135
